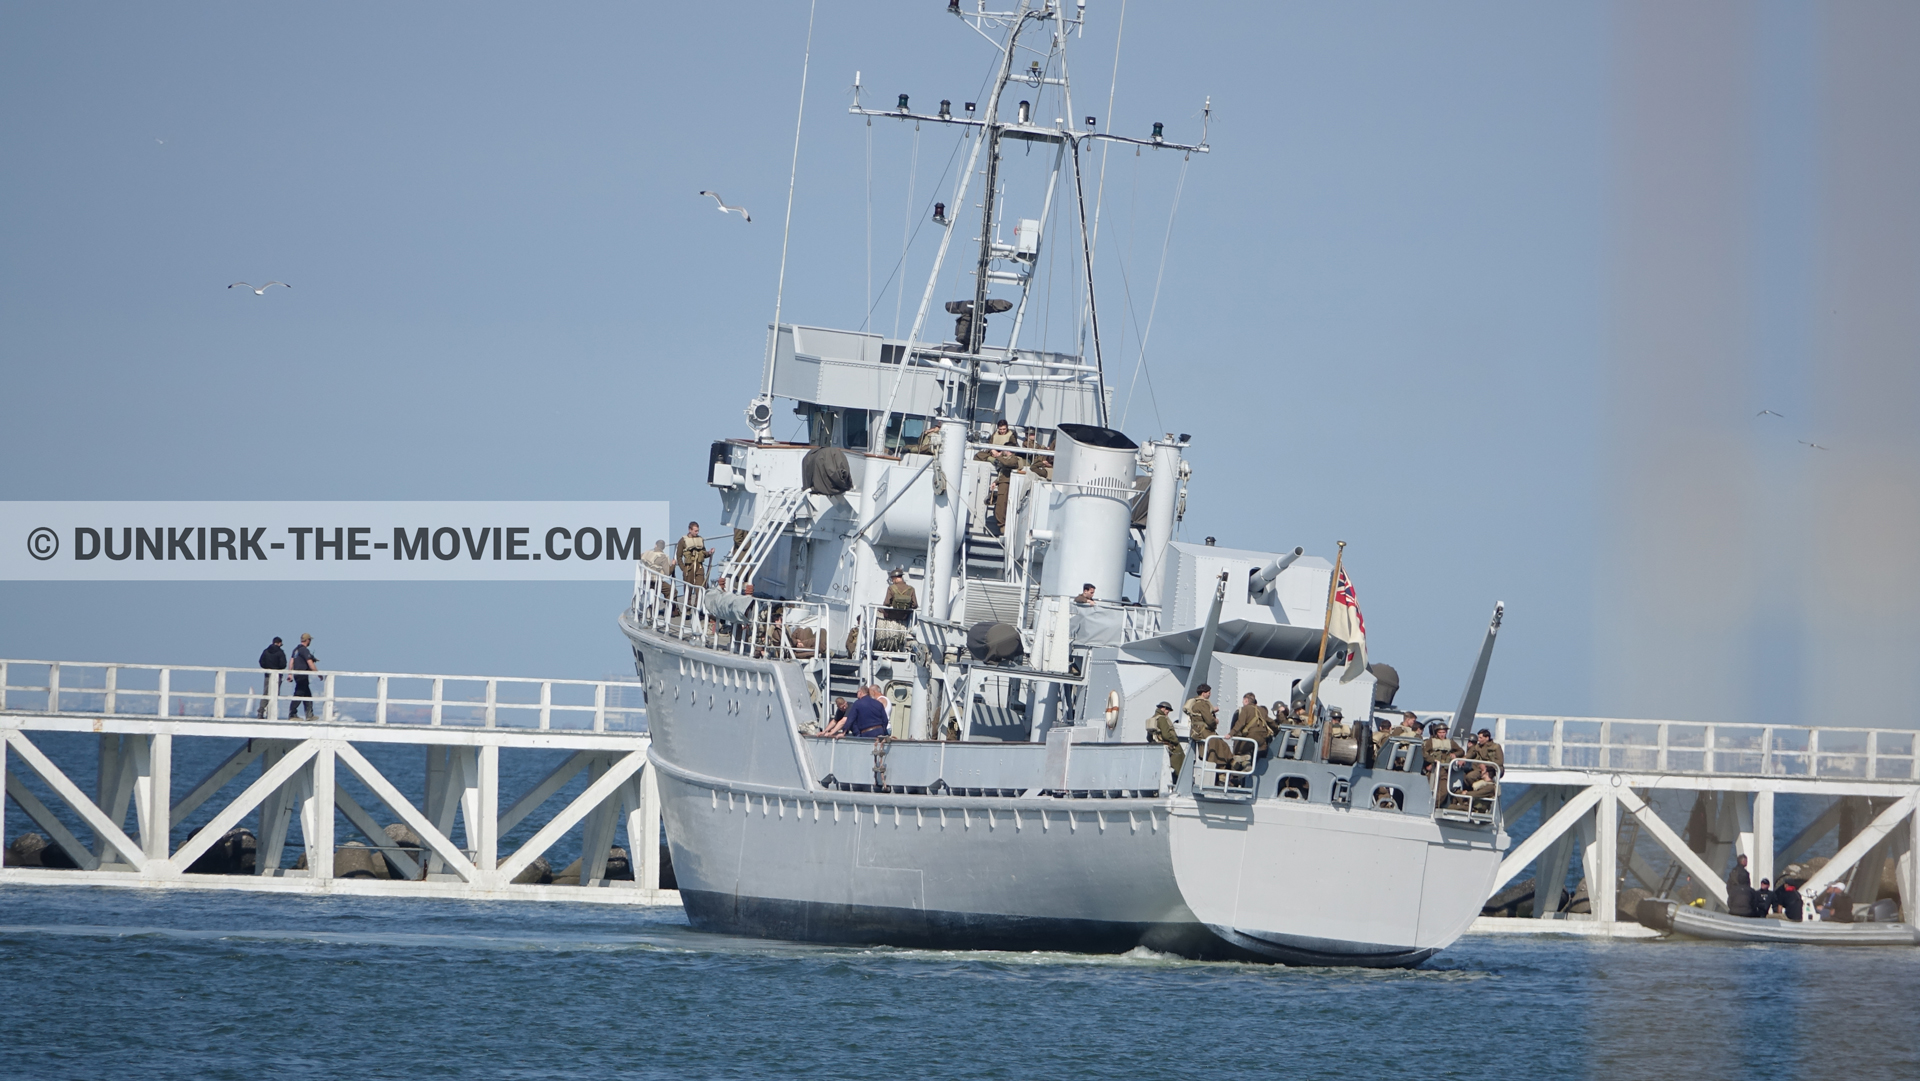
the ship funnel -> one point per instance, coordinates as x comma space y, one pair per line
1090, 511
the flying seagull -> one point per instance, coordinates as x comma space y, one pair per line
724, 208
1815, 446
262, 291
1770, 413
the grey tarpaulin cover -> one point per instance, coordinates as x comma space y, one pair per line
824, 470
727, 607
993, 642
1095, 626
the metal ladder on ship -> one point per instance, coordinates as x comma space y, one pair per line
773, 517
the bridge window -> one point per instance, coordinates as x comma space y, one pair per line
854, 428
904, 431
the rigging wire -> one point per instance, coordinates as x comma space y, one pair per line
907, 232
1154, 306
1099, 198
868, 296
793, 175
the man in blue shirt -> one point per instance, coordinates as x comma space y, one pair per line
867, 717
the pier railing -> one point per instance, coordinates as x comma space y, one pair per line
735, 623
397, 698
1745, 750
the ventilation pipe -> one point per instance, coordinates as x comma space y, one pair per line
949, 517
1163, 497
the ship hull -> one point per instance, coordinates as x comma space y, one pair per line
762, 848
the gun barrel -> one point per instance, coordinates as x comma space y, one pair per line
1271, 571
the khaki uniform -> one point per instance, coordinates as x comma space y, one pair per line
1201, 720
691, 554
1160, 730
1040, 464
901, 600
658, 561
1254, 723
1441, 751
1492, 752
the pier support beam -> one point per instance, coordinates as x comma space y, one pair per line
1762, 858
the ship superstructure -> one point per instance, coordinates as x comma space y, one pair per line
1018, 801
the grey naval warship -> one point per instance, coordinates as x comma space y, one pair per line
1019, 802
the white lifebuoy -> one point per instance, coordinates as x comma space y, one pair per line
1113, 710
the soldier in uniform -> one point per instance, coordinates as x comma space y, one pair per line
1484, 749
1040, 464
1339, 729
1439, 749
1201, 721
1160, 730
901, 598
691, 553
657, 559
1252, 722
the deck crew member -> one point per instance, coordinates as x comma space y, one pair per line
1085, 596
1484, 749
691, 553
867, 716
1160, 730
1201, 721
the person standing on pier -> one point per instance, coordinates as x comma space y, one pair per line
274, 660
304, 663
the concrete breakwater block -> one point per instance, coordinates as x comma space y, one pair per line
401, 836
233, 854
538, 873
33, 850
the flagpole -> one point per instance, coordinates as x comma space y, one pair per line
1326, 628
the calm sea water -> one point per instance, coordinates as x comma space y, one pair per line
99, 983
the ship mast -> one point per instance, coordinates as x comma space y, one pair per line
971, 355
977, 322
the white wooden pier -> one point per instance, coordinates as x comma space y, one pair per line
143, 715
1592, 780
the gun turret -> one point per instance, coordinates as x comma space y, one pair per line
1263, 579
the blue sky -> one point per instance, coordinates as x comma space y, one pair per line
1385, 314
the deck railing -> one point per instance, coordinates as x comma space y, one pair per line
734, 623
1745, 750
397, 698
